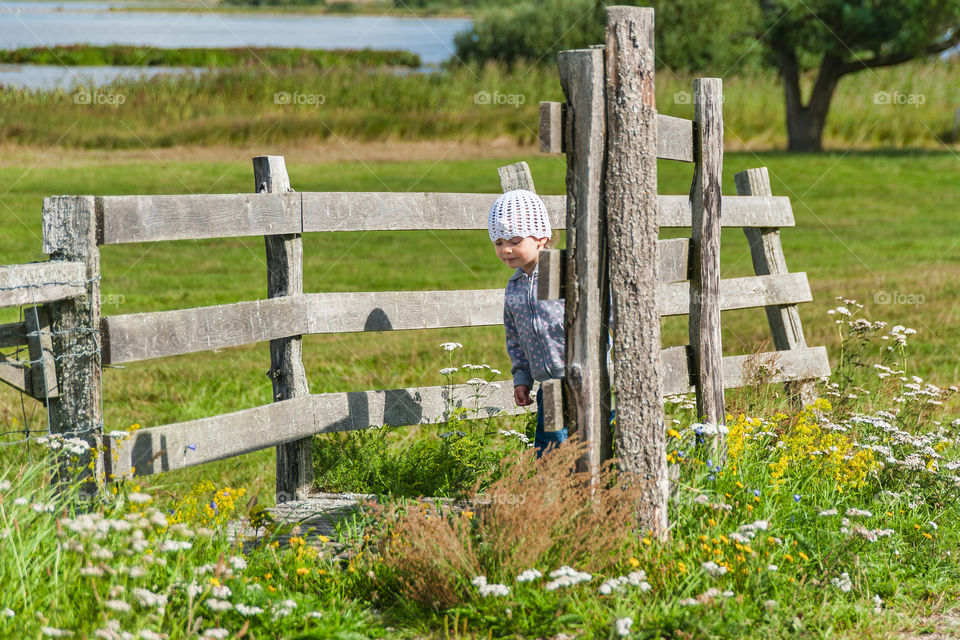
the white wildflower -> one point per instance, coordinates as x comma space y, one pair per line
450, 346
53, 632
494, 590
772, 567
118, 605
446, 371
5, 485
688, 602
8, 613
248, 611
843, 582
147, 634
623, 626
713, 568
147, 598
221, 591
139, 498
215, 604
217, 633
172, 546
566, 577
829, 512
855, 513
238, 563
315, 614
529, 575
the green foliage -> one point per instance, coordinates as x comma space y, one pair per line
850, 31
700, 35
272, 57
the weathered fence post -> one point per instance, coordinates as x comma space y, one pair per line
705, 199
586, 291
285, 278
70, 232
768, 259
632, 230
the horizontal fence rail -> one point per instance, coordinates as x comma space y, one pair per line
184, 444
739, 371
142, 336
39, 282
192, 217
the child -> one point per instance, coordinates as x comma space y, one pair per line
519, 227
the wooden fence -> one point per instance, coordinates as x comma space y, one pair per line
612, 136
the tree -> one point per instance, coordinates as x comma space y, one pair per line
840, 37
691, 35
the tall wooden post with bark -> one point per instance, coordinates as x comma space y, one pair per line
70, 230
632, 231
586, 293
705, 200
285, 278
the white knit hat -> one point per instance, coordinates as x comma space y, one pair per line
518, 213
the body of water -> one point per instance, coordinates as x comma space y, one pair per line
37, 24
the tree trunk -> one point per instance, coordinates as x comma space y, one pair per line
805, 122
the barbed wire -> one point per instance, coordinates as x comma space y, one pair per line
86, 344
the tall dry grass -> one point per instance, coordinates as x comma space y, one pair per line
540, 515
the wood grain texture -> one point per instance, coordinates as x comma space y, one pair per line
396, 211
13, 334
705, 303
516, 176
551, 127
739, 293
70, 225
750, 369
766, 251
181, 217
674, 135
39, 282
141, 336
16, 374
633, 217
673, 255
43, 367
586, 284
294, 461
184, 444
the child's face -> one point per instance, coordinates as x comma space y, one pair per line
520, 252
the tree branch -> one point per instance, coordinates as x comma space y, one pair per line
899, 58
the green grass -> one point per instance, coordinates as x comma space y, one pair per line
239, 107
259, 57
868, 224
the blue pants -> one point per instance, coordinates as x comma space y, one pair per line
546, 439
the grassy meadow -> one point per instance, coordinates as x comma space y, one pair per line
838, 520
912, 105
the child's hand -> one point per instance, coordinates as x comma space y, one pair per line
521, 395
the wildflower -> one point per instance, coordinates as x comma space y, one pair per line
4, 485
147, 634
248, 611
283, 609
53, 632
220, 591
446, 371
495, 590
302, 571
853, 513
216, 633
147, 598
623, 626
91, 571
688, 602
772, 567
843, 582
139, 498
796, 497
238, 563
7, 613
713, 568
172, 546
877, 604
450, 346
215, 604
529, 575
770, 604
118, 605
20, 501
829, 512
566, 577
